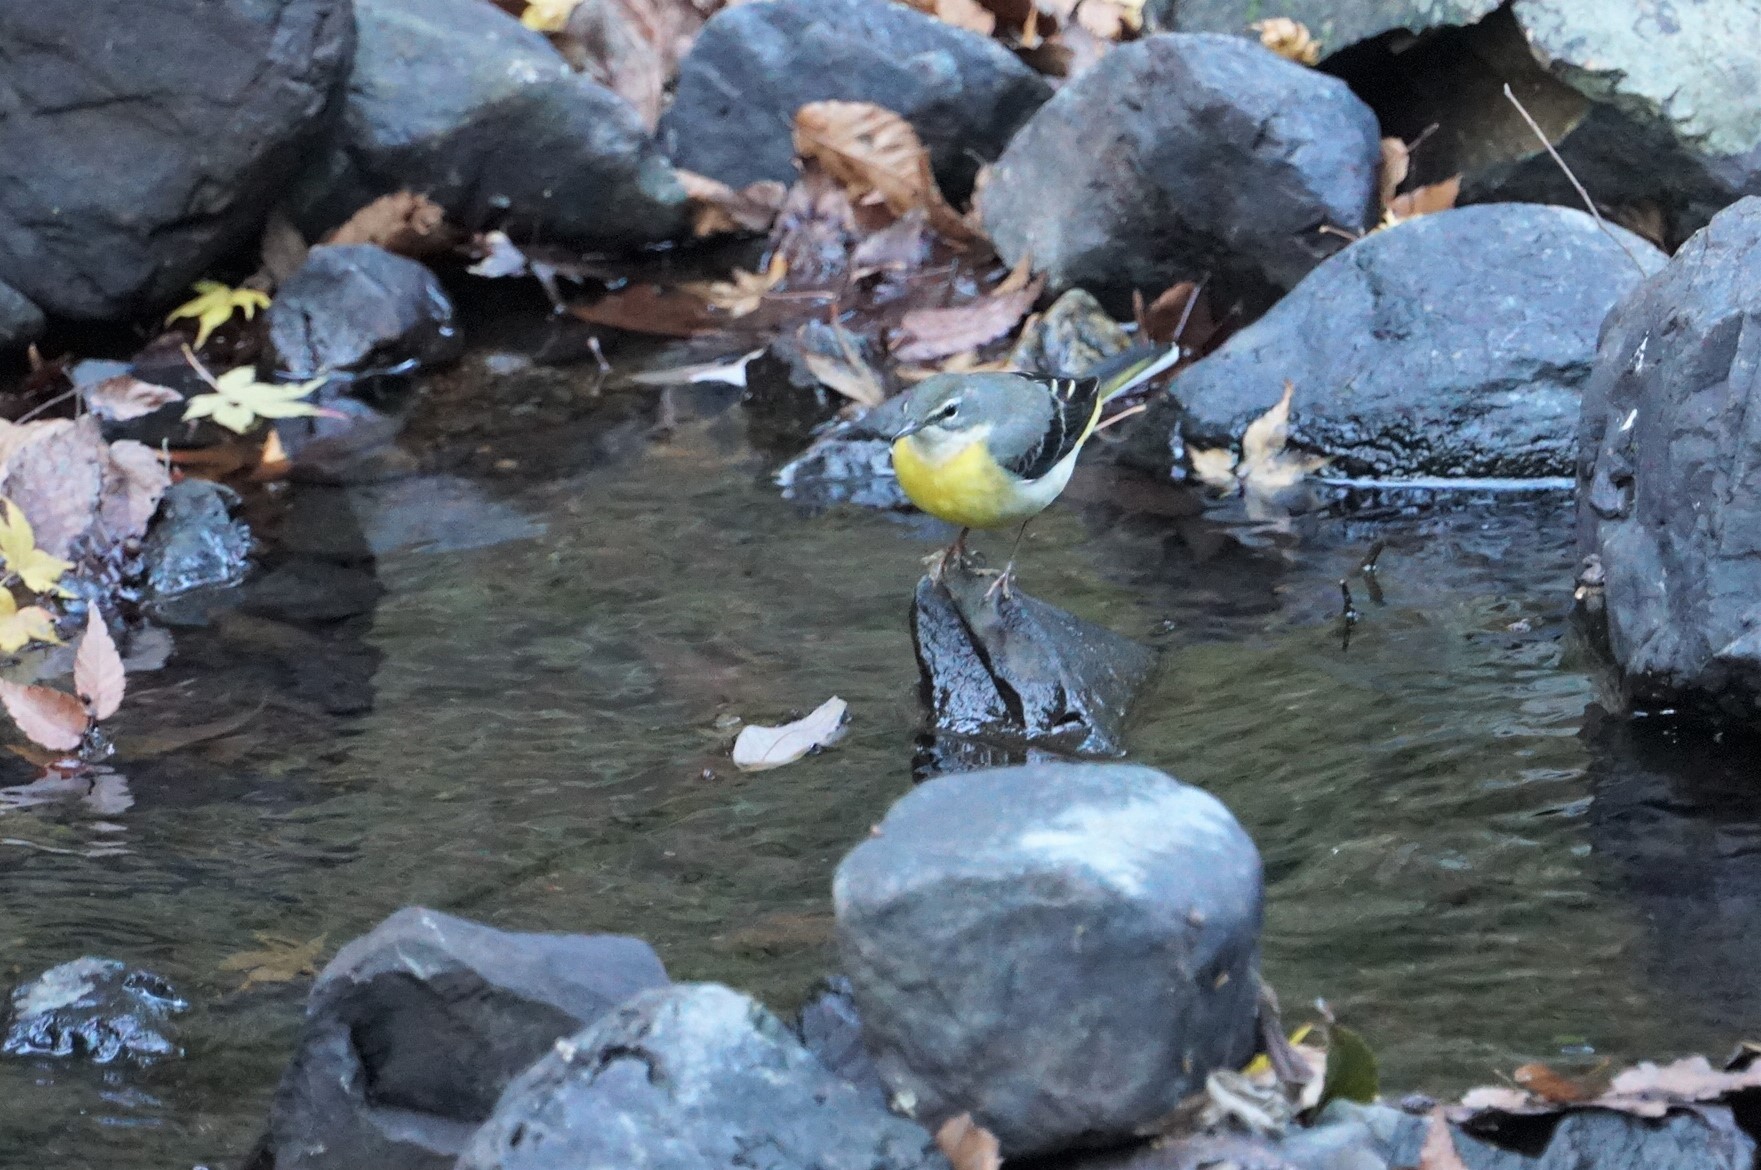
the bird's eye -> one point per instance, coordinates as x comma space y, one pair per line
949, 411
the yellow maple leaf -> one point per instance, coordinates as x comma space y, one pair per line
548, 16
39, 571
239, 400
19, 627
214, 304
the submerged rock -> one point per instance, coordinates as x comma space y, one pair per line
830, 1029
1455, 344
99, 1010
1065, 950
755, 64
154, 137
1669, 477
21, 322
1183, 156
1018, 672
696, 1075
457, 100
413, 1031
359, 308
194, 541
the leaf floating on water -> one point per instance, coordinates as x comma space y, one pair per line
1265, 466
968, 1145
126, 397
281, 960
97, 668
1289, 39
732, 371
759, 748
646, 308
176, 739
53, 719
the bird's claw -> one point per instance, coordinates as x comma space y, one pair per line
1003, 584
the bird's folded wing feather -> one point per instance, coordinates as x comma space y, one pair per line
1076, 403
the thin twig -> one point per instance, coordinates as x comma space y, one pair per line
189, 355
40, 407
1589, 204
1186, 313
1120, 417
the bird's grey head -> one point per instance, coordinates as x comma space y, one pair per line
952, 403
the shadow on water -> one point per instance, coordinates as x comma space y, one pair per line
529, 727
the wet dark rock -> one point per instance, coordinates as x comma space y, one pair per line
304, 589
194, 541
99, 1010
1073, 336
359, 308
454, 98
1336, 24
1016, 671
850, 462
1669, 477
1455, 344
21, 322
331, 669
195, 116
689, 1076
413, 1031
955, 926
830, 1029
755, 64
1181, 156
1707, 1138
1346, 1136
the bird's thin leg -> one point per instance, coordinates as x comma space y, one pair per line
1007, 576
953, 554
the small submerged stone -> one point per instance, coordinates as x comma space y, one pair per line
194, 542
1064, 950
101, 1010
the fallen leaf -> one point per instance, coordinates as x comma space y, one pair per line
717, 208
281, 960
499, 256
968, 1145
1289, 39
97, 668
626, 46
126, 397
877, 157
134, 480
53, 719
745, 291
1396, 161
1425, 200
647, 308
214, 304
20, 627
1550, 1085
402, 222
732, 371
1265, 466
40, 572
758, 748
1351, 1066
53, 469
925, 334
966, 14
1110, 20
176, 739
848, 374
239, 401
1439, 1152
547, 16
899, 247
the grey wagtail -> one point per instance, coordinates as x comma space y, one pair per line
991, 450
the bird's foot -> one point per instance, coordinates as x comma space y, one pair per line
954, 555
1003, 584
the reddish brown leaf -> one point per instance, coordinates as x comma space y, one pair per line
1396, 160
134, 479
647, 308
97, 668
126, 397
925, 334
402, 222
717, 208
1425, 200
878, 158
1551, 1086
53, 719
968, 1145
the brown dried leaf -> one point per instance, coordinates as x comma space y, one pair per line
1438, 1152
53, 470
1396, 161
877, 157
717, 208
402, 222
849, 375
966, 14
926, 334
1289, 39
968, 1145
53, 719
1426, 200
97, 668
613, 43
745, 291
647, 308
899, 247
126, 397
1550, 1085
281, 960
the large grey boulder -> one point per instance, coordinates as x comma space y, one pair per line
1064, 950
1669, 478
456, 99
755, 64
1184, 156
414, 1029
1455, 344
21, 322
145, 139
692, 1077
359, 308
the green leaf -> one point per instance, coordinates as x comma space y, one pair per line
1351, 1068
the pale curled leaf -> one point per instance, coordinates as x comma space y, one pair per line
744, 291
53, 719
1396, 161
97, 668
547, 16
1215, 467
968, 1145
126, 397
926, 334
20, 627
758, 748
1289, 39
1266, 467
1425, 200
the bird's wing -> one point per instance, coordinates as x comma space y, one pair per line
1076, 403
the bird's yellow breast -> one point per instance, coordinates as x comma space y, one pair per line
964, 486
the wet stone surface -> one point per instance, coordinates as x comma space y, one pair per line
100, 1010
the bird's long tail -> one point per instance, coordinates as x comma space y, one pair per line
1134, 367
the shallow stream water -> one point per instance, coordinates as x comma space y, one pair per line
1462, 870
